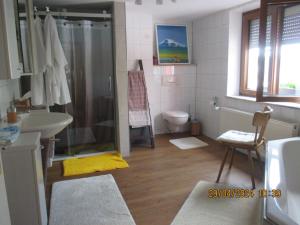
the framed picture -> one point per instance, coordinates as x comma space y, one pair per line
172, 44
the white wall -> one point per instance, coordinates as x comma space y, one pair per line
210, 43
216, 44
8, 90
162, 96
139, 28
174, 96
121, 78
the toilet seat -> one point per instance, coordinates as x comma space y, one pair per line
176, 114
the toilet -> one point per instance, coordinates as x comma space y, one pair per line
176, 120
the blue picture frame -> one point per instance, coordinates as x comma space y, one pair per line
172, 44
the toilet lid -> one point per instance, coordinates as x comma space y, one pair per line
176, 114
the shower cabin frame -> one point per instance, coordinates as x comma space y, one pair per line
30, 13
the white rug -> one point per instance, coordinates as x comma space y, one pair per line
88, 201
188, 143
199, 209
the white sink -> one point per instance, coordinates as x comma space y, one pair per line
48, 123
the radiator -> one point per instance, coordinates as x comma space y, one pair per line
232, 119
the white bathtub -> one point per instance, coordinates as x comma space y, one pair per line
283, 173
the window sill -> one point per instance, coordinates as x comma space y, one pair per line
251, 99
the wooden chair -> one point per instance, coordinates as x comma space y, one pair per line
233, 139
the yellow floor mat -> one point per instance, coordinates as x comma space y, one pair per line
107, 161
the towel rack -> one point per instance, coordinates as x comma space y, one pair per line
150, 129
140, 62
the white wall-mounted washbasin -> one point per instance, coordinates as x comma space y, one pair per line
48, 123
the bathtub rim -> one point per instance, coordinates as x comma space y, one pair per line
278, 215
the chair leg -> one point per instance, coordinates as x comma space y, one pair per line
232, 156
259, 159
222, 165
251, 168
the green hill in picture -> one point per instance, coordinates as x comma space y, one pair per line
173, 55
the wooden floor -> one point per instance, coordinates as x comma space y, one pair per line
158, 181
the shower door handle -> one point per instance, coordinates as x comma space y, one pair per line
109, 83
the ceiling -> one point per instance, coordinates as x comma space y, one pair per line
183, 9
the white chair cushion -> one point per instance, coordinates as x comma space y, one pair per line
235, 136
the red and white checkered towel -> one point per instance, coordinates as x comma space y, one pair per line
138, 99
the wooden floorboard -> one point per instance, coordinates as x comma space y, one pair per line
159, 180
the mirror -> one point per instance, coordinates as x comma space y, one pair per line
24, 20
279, 51
23, 36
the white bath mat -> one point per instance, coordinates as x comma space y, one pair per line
188, 143
199, 209
88, 201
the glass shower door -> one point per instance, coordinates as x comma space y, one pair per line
89, 51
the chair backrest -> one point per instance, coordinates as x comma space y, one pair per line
260, 121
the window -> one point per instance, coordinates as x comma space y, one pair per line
289, 66
250, 52
281, 49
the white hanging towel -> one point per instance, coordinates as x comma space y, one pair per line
57, 90
37, 80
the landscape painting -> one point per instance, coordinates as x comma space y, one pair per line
172, 44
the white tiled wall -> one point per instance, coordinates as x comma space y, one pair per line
216, 44
210, 38
175, 96
162, 97
139, 27
8, 90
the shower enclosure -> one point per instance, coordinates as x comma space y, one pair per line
88, 48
